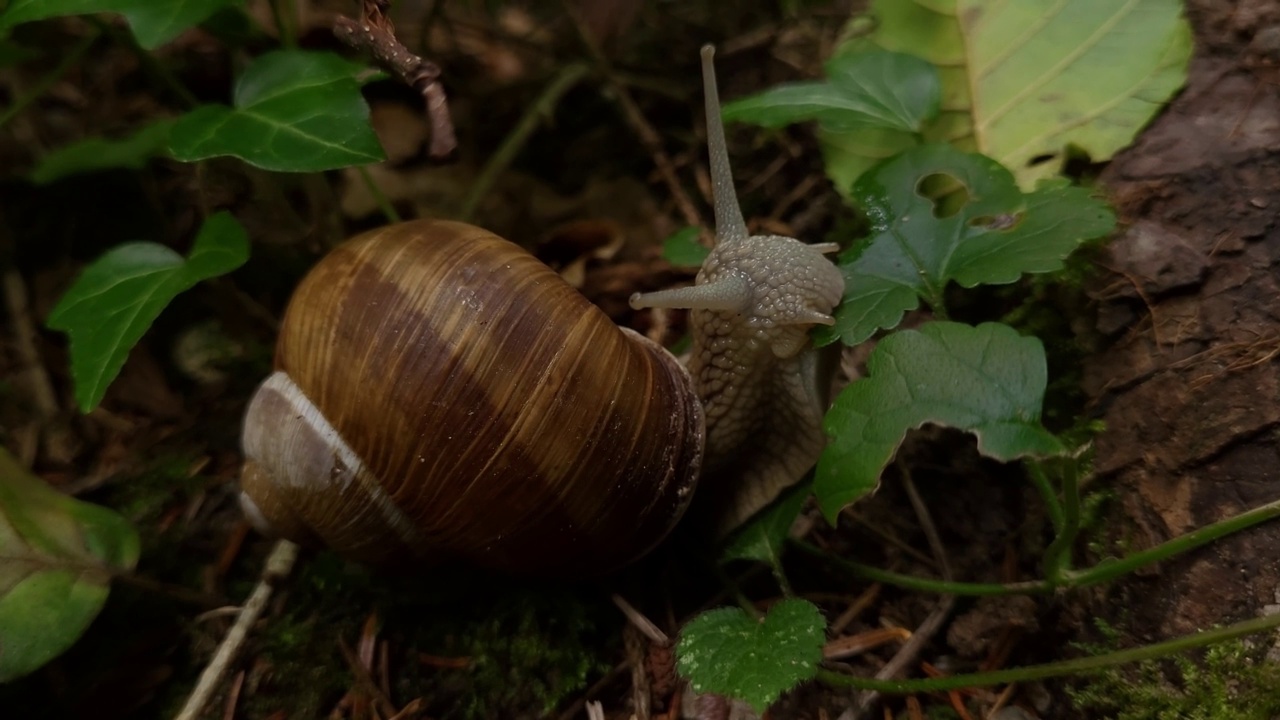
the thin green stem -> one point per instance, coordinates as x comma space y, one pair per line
283, 12
156, 68
1055, 669
541, 108
49, 80
1057, 557
1102, 572
775, 564
379, 197
1109, 569
915, 582
1049, 495
738, 596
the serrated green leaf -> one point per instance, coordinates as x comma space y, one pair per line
874, 89
57, 556
729, 653
116, 298
1024, 80
764, 536
684, 250
994, 237
154, 22
987, 380
94, 154
295, 111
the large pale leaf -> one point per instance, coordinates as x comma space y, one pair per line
294, 111
57, 556
116, 298
1025, 80
154, 22
728, 653
997, 234
987, 380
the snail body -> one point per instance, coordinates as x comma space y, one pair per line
439, 393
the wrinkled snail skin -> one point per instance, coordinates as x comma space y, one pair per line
762, 383
441, 393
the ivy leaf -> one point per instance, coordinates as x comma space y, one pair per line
765, 535
154, 22
729, 653
1024, 80
120, 294
995, 236
987, 380
875, 89
683, 249
57, 556
295, 111
94, 154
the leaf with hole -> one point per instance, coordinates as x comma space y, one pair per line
295, 111
154, 22
988, 232
728, 652
987, 380
118, 296
1028, 81
57, 556
95, 154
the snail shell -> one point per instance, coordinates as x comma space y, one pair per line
438, 392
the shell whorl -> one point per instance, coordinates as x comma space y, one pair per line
499, 410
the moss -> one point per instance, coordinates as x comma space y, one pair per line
1231, 681
530, 648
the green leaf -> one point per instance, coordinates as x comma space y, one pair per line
683, 249
987, 380
997, 234
729, 653
57, 556
116, 298
295, 111
1024, 80
865, 90
765, 535
94, 154
154, 22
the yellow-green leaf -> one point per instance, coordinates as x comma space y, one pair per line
57, 556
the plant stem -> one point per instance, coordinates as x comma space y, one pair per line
1055, 669
1108, 569
157, 69
283, 13
69, 59
541, 108
1102, 572
1039, 478
1057, 557
379, 197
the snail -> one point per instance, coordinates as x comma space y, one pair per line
440, 393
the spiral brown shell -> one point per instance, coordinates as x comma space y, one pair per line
441, 393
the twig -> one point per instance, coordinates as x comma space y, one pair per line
516, 139
924, 634
279, 564
375, 35
56, 437
635, 118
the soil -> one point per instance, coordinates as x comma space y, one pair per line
1178, 331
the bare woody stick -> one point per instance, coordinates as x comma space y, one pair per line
374, 35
